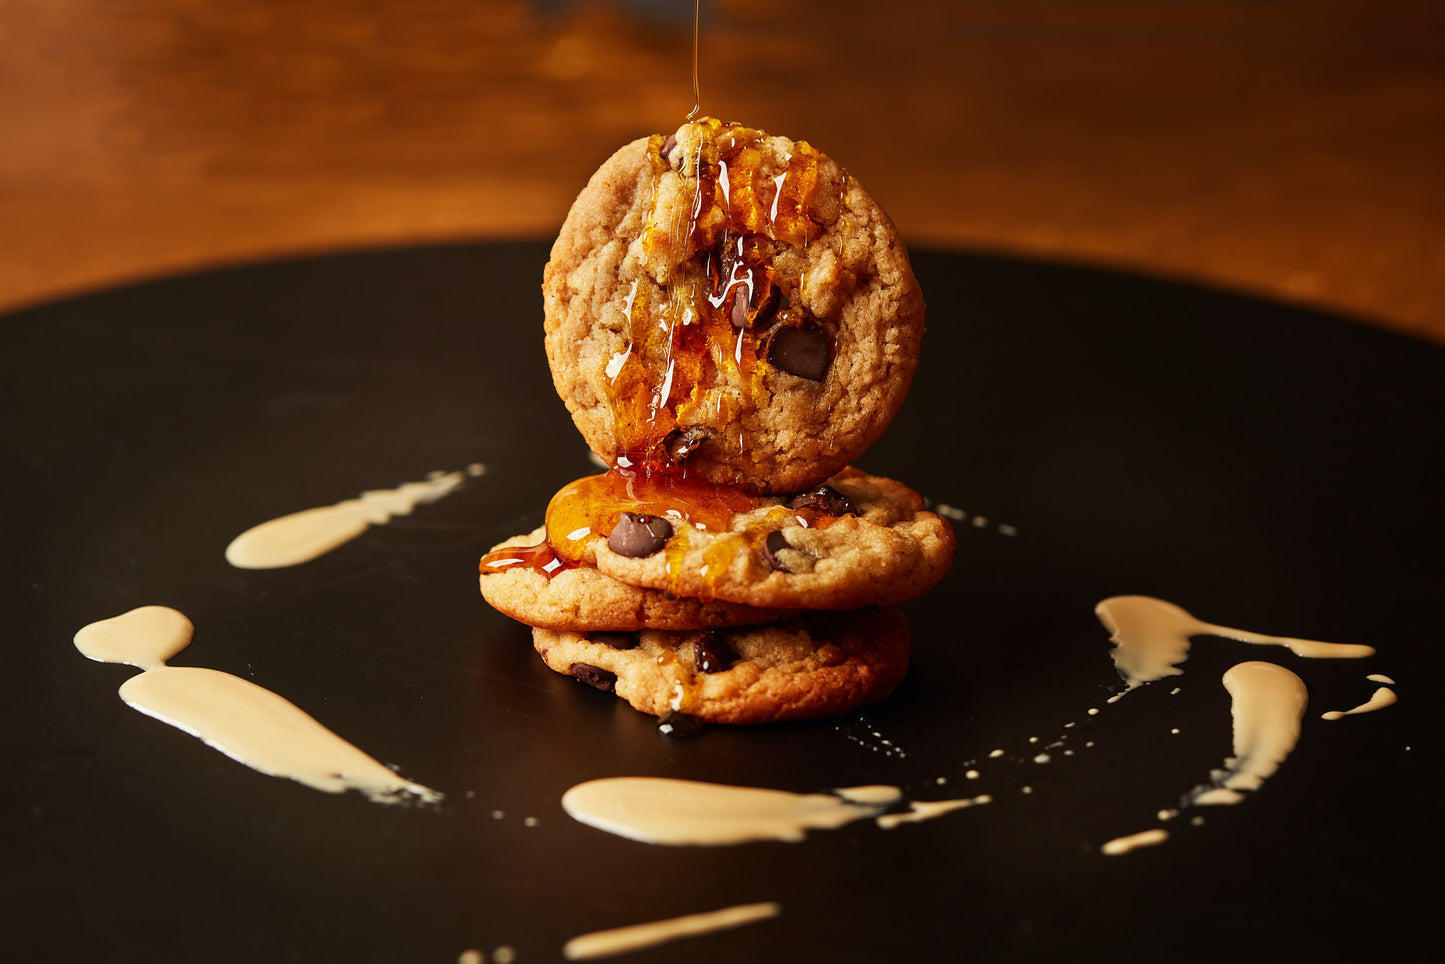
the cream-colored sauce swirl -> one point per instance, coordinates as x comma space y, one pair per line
637, 936
659, 810
1151, 638
921, 810
302, 536
1382, 697
1268, 703
248, 723
1132, 842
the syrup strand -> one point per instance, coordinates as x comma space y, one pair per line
696, 90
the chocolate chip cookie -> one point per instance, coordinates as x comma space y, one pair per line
734, 303
813, 665
581, 598
858, 540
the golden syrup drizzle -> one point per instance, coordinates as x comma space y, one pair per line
589, 508
540, 558
685, 363
720, 555
685, 685
696, 90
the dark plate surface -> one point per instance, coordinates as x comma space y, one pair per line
1261, 466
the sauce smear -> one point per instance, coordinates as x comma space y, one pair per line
306, 535
248, 723
658, 810
1151, 638
638, 936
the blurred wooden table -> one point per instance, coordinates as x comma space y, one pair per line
1292, 150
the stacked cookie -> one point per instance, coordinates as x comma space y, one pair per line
731, 320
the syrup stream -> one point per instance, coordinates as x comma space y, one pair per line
696, 90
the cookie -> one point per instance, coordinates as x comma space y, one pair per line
859, 540
734, 303
809, 666
581, 598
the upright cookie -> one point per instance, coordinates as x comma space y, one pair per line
732, 302
582, 599
813, 665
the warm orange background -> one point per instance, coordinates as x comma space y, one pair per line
1291, 149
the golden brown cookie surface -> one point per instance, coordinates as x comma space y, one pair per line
733, 302
813, 665
582, 599
877, 546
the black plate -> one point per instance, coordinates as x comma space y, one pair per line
1261, 466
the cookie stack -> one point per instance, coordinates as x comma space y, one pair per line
731, 320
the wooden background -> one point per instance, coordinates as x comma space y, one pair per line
1289, 149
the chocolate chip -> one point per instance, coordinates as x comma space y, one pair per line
766, 305
803, 351
637, 535
825, 499
722, 262
594, 676
682, 442
615, 640
680, 725
711, 653
772, 545
752, 307
668, 143
738, 307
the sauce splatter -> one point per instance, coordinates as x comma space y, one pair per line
248, 723
1151, 638
1268, 703
658, 810
638, 936
306, 535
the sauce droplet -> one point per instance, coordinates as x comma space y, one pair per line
1133, 841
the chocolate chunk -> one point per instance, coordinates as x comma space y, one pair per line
682, 442
772, 545
637, 535
723, 264
711, 653
766, 305
668, 143
738, 306
825, 499
615, 640
595, 676
803, 351
680, 725
750, 306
